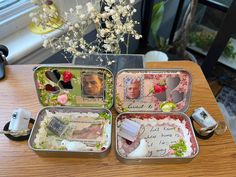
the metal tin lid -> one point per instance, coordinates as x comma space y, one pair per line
74, 86
154, 90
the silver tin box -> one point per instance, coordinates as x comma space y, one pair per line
156, 99
160, 146
46, 143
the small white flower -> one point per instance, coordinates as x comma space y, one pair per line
78, 7
132, 1
107, 47
82, 16
104, 15
58, 47
109, 63
82, 46
78, 53
117, 31
137, 36
76, 25
45, 43
71, 10
90, 7
112, 11
71, 28
96, 20
35, 20
107, 8
83, 22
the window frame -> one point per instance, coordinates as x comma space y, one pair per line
15, 17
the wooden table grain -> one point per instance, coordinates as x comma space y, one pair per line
217, 156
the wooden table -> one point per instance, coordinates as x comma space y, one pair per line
216, 157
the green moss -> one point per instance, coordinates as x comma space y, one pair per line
105, 115
98, 145
109, 90
120, 105
179, 148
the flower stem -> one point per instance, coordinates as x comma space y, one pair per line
127, 45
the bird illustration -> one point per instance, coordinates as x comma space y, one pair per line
73, 145
140, 151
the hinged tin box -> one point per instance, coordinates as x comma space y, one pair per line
152, 126
76, 120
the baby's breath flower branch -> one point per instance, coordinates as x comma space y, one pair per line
112, 19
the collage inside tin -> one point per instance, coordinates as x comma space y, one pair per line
72, 129
74, 86
161, 135
153, 90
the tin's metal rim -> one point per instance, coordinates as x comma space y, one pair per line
155, 158
67, 107
71, 66
147, 70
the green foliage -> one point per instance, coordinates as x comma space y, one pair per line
119, 104
179, 148
162, 44
229, 51
105, 116
204, 40
157, 16
109, 91
98, 145
201, 40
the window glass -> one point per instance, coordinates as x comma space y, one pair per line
224, 2
207, 23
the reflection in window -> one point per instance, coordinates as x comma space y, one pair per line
206, 25
224, 2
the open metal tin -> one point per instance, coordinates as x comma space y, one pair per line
168, 137
153, 90
85, 132
74, 86
154, 99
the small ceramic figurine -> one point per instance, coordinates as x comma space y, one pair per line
140, 151
73, 145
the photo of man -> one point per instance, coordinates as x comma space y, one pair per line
92, 85
133, 88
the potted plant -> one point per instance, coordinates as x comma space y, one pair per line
178, 48
182, 39
157, 16
202, 38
